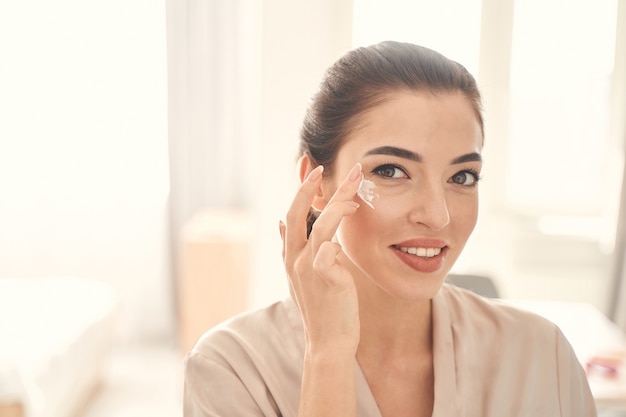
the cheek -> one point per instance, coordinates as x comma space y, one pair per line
369, 223
464, 213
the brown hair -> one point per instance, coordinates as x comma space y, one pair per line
360, 80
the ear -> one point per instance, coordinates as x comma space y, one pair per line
305, 166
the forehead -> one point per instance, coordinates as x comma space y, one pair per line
419, 119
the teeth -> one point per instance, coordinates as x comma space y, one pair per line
423, 252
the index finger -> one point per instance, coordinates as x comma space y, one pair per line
296, 219
340, 204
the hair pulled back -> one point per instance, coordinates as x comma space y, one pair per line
362, 78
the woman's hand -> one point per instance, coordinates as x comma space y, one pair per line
322, 288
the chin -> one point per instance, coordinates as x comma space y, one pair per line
414, 289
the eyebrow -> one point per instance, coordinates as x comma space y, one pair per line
412, 156
393, 151
470, 157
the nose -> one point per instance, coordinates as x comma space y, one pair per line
429, 207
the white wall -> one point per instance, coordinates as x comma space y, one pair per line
83, 162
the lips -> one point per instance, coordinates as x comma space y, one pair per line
422, 255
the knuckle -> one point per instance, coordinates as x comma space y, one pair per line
318, 264
300, 266
325, 256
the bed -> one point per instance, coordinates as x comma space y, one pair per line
55, 336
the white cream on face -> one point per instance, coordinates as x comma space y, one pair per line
367, 192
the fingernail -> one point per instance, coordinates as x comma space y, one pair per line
316, 173
355, 173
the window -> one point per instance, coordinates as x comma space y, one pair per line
561, 70
553, 166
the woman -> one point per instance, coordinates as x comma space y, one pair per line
370, 328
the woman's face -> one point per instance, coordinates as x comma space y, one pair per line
422, 152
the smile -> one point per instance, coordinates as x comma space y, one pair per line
421, 252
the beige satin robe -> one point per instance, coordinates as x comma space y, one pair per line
490, 360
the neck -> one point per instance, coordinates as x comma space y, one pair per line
393, 327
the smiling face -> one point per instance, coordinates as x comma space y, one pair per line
422, 152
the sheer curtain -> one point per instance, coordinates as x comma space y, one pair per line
240, 75
212, 137
617, 296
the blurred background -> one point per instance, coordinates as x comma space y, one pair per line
148, 147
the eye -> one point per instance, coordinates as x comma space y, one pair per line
467, 178
390, 171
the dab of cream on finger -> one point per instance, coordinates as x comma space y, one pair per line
367, 192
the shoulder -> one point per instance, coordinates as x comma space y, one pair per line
251, 362
511, 349
473, 312
480, 325
250, 332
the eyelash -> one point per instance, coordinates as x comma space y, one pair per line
379, 169
471, 172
